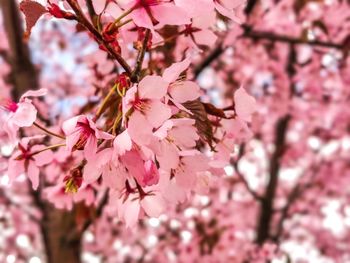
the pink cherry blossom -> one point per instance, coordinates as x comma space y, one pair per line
21, 114
148, 12
27, 160
82, 134
194, 131
245, 104
146, 107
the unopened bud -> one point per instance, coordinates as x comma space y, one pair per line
57, 12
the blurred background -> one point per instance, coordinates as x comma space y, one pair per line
285, 195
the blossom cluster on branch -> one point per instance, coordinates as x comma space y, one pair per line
175, 131
148, 134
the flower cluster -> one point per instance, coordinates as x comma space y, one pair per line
148, 141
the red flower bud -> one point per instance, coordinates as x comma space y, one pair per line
123, 80
110, 33
59, 13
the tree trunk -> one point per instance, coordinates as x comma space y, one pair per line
61, 240
266, 207
58, 231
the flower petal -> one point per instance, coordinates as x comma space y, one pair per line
169, 14
173, 72
184, 91
122, 143
152, 87
245, 105
33, 175
34, 93
25, 114
158, 113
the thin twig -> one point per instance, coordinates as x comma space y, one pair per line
48, 131
212, 56
85, 22
92, 13
241, 176
251, 33
135, 75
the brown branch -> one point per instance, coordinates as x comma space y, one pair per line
86, 23
292, 197
250, 6
266, 210
241, 176
23, 73
93, 16
263, 35
78, 232
210, 58
54, 224
5, 55
266, 35
135, 75
294, 194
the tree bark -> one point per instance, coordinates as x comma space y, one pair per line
57, 225
267, 202
23, 74
266, 208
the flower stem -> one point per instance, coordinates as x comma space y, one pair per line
48, 131
116, 122
105, 100
135, 74
124, 15
124, 23
20, 157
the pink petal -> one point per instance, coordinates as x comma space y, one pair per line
131, 213
205, 37
245, 105
162, 132
228, 13
196, 9
135, 165
103, 135
186, 179
114, 177
91, 172
34, 93
141, 18
184, 135
15, 168
184, 91
122, 143
153, 205
113, 9
169, 14
72, 139
151, 175
139, 129
152, 87
180, 106
196, 163
169, 157
25, 114
173, 72
99, 6
11, 129
43, 158
158, 113
69, 125
33, 175
90, 148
